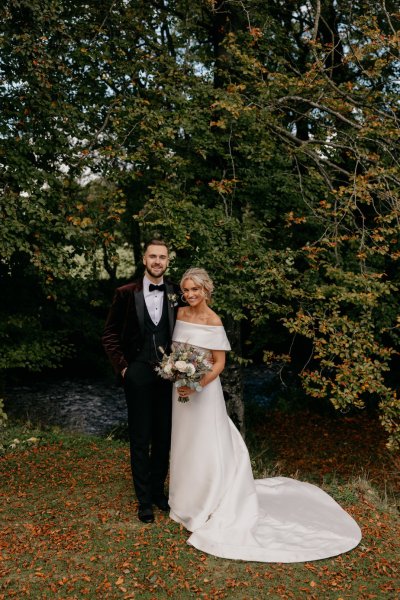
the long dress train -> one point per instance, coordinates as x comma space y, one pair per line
213, 493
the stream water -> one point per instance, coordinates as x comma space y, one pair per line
95, 406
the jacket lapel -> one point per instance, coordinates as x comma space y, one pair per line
139, 303
169, 289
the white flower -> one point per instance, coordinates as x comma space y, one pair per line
173, 298
168, 368
181, 365
190, 369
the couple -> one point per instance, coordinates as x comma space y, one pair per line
212, 491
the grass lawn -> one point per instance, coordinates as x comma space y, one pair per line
69, 527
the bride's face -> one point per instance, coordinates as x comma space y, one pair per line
193, 293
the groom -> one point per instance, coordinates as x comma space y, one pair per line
140, 321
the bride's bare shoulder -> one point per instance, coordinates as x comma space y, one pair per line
207, 318
213, 319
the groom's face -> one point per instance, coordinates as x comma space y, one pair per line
156, 261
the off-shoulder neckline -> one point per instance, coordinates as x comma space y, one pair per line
197, 324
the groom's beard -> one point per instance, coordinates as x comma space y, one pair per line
156, 275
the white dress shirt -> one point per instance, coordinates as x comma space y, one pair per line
154, 300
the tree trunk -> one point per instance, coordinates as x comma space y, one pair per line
232, 378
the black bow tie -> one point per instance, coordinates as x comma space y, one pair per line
153, 287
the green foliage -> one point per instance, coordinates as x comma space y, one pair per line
261, 140
25, 345
3, 415
297, 144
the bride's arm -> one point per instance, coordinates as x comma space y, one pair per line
218, 357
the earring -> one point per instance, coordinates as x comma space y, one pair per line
183, 298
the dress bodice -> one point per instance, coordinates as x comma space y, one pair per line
206, 337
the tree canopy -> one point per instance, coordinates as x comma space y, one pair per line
260, 138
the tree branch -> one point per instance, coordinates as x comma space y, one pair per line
322, 108
303, 144
316, 22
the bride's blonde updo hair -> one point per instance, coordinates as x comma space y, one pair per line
200, 278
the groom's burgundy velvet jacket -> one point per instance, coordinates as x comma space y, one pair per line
124, 329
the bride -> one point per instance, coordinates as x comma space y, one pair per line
212, 490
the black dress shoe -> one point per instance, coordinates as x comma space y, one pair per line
161, 502
145, 514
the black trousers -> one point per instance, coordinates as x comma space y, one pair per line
149, 401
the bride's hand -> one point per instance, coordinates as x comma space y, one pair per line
185, 391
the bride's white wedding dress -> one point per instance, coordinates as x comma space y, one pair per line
213, 493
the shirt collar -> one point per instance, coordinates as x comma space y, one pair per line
147, 282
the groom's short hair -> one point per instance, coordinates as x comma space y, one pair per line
155, 242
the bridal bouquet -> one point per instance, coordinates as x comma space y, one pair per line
185, 366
